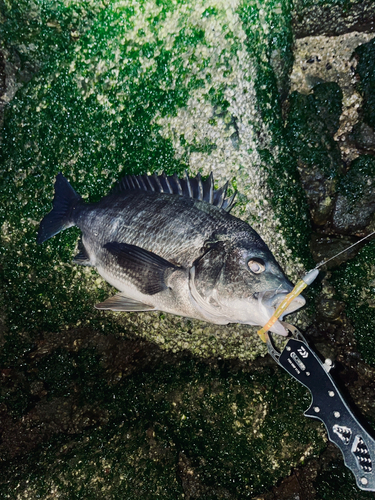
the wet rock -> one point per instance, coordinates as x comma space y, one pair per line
114, 102
330, 59
366, 85
363, 137
105, 415
311, 124
349, 217
328, 18
355, 205
355, 286
363, 134
324, 248
180, 425
329, 309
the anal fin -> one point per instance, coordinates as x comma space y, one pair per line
121, 303
82, 258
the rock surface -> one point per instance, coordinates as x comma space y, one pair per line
98, 405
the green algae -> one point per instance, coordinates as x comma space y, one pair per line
222, 423
355, 285
274, 57
34, 32
59, 137
365, 70
356, 185
312, 122
269, 30
336, 477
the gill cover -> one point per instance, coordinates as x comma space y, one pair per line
204, 277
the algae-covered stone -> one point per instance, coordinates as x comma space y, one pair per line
365, 70
331, 17
356, 285
364, 131
148, 87
144, 87
336, 477
175, 429
312, 122
355, 212
33, 32
355, 204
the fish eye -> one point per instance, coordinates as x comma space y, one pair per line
257, 266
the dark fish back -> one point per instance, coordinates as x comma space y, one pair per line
172, 226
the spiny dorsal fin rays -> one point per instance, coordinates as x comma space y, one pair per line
158, 183
166, 180
229, 202
136, 181
190, 187
199, 186
144, 188
131, 182
208, 189
148, 179
219, 195
178, 184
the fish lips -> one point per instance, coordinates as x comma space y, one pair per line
270, 300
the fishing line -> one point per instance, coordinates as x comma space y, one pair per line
300, 286
343, 251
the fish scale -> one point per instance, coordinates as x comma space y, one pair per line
171, 244
146, 221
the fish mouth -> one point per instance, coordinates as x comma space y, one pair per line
270, 300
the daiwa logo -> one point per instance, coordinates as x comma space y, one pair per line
302, 351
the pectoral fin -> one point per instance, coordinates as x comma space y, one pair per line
120, 303
145, 269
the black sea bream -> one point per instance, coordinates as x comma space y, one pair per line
170, 244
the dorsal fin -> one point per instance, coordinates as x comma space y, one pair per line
190, 187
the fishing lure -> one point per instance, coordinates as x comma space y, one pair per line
298, 289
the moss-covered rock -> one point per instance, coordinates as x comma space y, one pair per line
139, 87
148, 87
90, 406
356, 285
336, 477
331, 17
355, 204
363, 133
312, 122
171, 427
354, 212
366, 85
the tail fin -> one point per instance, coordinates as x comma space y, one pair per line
60, 217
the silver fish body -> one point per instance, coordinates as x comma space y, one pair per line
171, 244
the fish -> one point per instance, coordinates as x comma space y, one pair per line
170, 244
